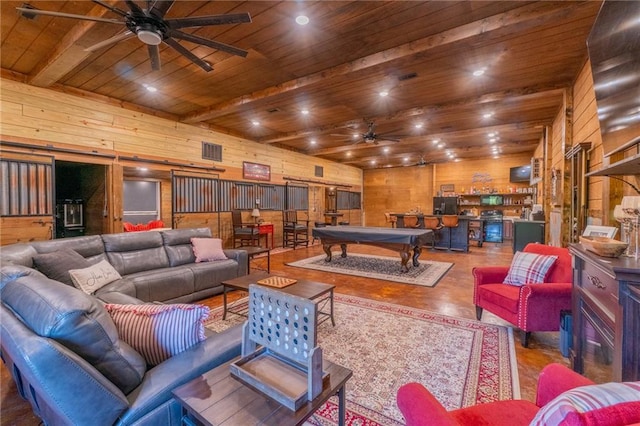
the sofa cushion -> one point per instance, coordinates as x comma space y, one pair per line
132, 252
529, 268
177, 243
94, 277
609, 404
79, 322
157, 285
159, 331
56, 264
505, 296
207, 249
89, 247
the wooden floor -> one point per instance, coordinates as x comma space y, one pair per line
452, 296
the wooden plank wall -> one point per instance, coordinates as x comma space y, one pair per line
45, 117
405, 188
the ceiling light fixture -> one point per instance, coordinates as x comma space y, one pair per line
385, 149
305, 112
479, 72
436, 141
150, 37
255, 122
488, 115
302, 20
419, 126
384, 93
313, 141
150, 88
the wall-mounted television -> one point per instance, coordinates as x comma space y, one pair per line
491, 200
520, 174
614, 53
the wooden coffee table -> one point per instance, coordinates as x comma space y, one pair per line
320, 293
216, 398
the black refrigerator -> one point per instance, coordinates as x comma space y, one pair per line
445, 205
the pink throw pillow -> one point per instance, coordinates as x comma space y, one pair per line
207, 249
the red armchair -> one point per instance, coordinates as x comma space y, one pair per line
420, 408
531, 307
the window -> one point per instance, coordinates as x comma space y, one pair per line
141, 201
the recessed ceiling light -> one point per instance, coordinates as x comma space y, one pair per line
384, 93
150, 88
492, 134
492, 140
302, 20
255, 122
143, 169
479, 72
456, 159
436, 141
385, 149
349, 154
487, 115
373, 161
355, 136
441, 145
419, 126
313, 141
304, 112
405, 159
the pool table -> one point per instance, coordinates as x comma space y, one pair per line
400, 240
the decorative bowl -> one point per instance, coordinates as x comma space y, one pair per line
603, 246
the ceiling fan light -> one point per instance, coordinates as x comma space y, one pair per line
149, 37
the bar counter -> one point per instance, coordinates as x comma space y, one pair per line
459, 235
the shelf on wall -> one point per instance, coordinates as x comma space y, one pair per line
628, 166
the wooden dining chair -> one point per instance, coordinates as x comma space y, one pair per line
390, 219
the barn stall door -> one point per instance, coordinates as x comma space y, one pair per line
195, 201
26, 197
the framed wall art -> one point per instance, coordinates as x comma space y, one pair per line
255, 171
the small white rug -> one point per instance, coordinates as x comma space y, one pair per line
427, 274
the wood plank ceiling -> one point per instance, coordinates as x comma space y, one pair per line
423, 54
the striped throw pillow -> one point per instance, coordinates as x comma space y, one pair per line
609, 404
159, 332
529, 268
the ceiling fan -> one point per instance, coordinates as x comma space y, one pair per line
150, 26
371, 137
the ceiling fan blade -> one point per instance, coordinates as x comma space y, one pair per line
111, 8
187, 53
134, 7
28, 11
154, 56
213, 44
119, 37
161, 7
203, 21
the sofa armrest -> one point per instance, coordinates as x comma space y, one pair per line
420, 408
239, 256
547, 290
489, 274
555, 379
162, 379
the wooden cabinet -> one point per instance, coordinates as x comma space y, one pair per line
606, 309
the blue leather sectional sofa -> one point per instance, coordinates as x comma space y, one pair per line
63, 350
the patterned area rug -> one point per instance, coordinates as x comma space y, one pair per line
379, 267
463, 362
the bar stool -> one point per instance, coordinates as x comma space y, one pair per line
391, 219
449, 221
433, 223
411, 221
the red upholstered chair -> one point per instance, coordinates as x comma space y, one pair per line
153, 224
533, 306
420, 408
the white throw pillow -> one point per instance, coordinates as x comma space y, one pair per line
94, 277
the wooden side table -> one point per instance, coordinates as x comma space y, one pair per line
216, 398
266, 229
253, 251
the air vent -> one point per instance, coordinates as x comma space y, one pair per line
319, 171
211, 151
272, 110
407, 76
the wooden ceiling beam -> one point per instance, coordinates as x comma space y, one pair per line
524, 93
68, 53
531, 14
467, 133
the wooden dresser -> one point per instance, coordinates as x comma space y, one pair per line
606, 301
